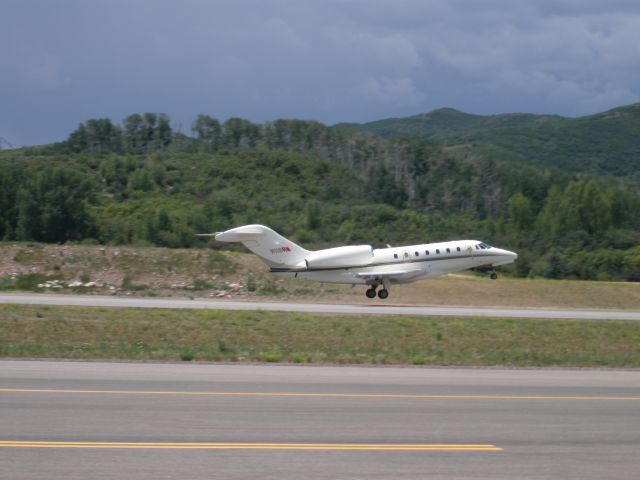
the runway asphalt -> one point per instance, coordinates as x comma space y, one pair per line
322, 308
204, 421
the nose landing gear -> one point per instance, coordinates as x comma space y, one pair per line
493, 275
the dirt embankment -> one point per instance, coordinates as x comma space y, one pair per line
122, 270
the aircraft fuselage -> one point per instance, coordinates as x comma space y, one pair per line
428, 260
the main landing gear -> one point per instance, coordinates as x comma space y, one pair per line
371, 292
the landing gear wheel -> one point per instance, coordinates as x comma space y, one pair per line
384, 293
494, 275
371, 293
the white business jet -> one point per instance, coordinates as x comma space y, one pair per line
362, 264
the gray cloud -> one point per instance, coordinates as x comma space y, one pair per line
339, 60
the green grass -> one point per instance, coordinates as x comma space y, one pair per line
163, 334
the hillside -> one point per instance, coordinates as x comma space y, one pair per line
139, 183
447, 122
607, 143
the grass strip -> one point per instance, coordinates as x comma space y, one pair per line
169, 334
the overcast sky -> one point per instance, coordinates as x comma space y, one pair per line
65, 61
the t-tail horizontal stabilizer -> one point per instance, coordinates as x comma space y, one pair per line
271, 247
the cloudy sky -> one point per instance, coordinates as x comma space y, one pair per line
66, 61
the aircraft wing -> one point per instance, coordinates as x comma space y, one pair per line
403, 274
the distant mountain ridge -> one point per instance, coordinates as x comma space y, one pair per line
449, 121
606, 143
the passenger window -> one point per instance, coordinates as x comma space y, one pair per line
395, 255
426, 252
406, 254
417, 254
448, 251
458, 248
437, 250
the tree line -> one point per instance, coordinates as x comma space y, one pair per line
402, 172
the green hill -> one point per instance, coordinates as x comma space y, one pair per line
446, 122
139, 182
605, 144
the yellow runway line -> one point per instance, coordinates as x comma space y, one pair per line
320, 395
257, 446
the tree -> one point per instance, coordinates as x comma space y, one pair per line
520, 212
103, 136
385, 189
51, 205
97, 135
238, 132
208, 131
10, 179
549, 219
163, 133
134, 133
147, 132
29, 226
140, 179
78, 141
314, 219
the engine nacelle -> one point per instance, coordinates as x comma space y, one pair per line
351, 256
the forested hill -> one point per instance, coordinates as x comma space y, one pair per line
447, 122
606, 143
140, 182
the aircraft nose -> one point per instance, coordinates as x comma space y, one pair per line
509, 256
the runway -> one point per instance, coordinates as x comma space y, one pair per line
77, 420
319, 308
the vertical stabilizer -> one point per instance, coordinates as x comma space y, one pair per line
271, 247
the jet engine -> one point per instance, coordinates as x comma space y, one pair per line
351, 256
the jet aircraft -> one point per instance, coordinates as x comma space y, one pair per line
363, 264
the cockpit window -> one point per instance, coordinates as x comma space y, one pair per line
483, 246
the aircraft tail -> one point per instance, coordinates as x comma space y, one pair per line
271, 247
